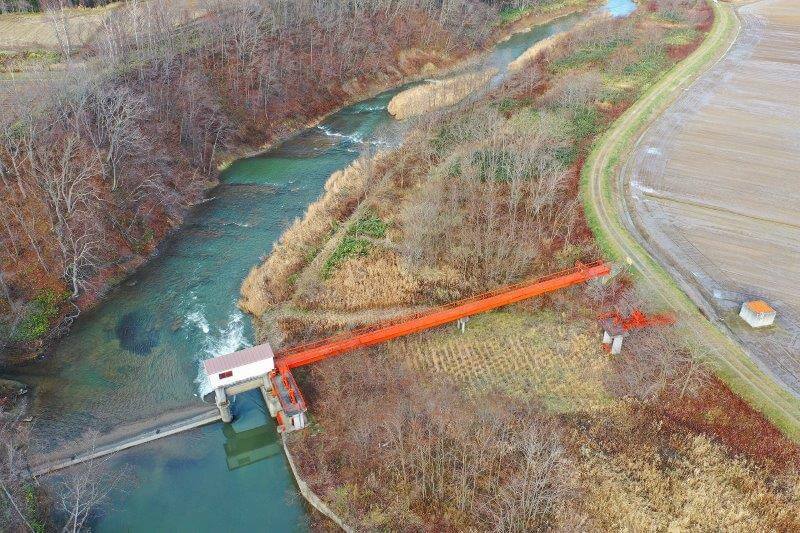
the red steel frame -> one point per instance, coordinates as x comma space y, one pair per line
638, 319
369, 336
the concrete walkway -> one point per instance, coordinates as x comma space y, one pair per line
95, 452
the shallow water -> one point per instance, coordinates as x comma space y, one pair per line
138, 354
218, 478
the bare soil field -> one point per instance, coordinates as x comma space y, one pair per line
38, 30
715, 183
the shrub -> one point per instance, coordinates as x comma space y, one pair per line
507, 105
648, 66
493, 164
350, 246
369, 225
585, 122
566, 155
354, 244
41, 311
590, 53
510, 14
681, 36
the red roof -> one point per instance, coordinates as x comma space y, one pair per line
759, 307
241, 358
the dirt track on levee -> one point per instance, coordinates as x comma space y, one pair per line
715, 184
605, 193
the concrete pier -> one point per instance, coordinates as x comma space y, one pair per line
223, 405
614, 340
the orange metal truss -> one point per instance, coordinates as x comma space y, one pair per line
637, 320
369, 336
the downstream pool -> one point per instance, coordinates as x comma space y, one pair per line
138, 354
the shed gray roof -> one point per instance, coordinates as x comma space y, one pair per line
237, 359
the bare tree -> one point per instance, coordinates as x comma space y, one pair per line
537, 491
654, 364
83, 488
114, 127
13, 506
59, 19
493, 461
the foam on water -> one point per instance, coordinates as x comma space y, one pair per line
199, 320
228, 339
353, 137
369, 108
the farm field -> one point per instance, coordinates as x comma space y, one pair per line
539, 354
22, 31
714, 183
36, 30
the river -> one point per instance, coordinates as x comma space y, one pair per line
138, 354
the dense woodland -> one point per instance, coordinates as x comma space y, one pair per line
98, 164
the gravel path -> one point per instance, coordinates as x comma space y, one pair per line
620, 236
715, 182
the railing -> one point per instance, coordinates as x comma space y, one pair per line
370, 335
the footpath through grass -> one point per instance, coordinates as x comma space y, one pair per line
604, 205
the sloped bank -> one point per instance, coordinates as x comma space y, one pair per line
606, 209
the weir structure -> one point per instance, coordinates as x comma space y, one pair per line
260, 367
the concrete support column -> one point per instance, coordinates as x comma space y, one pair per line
616, 345
223, 405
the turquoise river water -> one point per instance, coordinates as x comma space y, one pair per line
138, 354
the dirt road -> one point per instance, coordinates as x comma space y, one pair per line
609, 215
715, 183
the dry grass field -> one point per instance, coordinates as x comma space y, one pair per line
715, 182
23, 31
37, 30
543, 355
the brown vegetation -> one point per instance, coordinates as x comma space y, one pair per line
97, 165
437, 94
395, 448
534, 51
641, 474
548, 355
270, 282
405, 437
466, 462
487, 194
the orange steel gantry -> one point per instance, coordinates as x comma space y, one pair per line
616, 327
291, 399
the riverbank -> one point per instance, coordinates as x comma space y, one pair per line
407, 64
364, 91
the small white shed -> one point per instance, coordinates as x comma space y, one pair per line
236, 367
757, 313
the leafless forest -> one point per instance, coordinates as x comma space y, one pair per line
99, 163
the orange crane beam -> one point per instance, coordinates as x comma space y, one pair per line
370, 336
637, 319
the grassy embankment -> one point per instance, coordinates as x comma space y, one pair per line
605, 208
